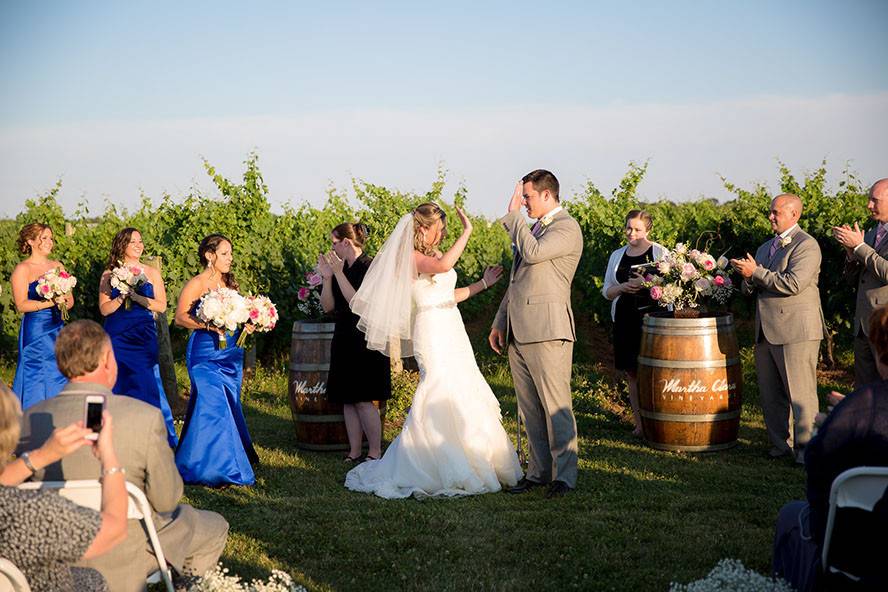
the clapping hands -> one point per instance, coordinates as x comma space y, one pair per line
848, 237
329, 264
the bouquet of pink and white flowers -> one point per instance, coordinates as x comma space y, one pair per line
55, 285
127, 279
225, 309
310, 295
685, 278
262, 314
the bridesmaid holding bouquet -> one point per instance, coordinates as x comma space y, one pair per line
37, 377
215, 447
130, 294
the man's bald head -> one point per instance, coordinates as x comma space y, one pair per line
877, 204
786, 209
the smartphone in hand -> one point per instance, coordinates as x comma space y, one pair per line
92, 415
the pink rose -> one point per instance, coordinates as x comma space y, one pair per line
303, 294
254, 314
273, 311
136, 270
44, 288
708, 263
656, 292
719, 280
64, 274
315, 279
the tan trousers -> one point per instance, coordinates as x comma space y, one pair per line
541, 372
787, 380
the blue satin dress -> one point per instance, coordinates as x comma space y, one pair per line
134, 338
37, 376
215, 447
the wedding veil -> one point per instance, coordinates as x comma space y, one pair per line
384, 302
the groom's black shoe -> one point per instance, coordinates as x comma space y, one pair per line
523, 486
557, 489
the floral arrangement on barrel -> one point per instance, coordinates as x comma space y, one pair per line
228, 310
55, 285
684, 279
309, 296
127, 279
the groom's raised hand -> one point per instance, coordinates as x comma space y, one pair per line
497, 340
517, 198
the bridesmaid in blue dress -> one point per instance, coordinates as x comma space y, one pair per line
131, 326
215, 447
37, 376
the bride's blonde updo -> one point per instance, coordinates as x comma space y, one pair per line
424, 216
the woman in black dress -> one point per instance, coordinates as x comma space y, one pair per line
622, 285
358, 376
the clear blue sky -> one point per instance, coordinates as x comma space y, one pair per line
64, 62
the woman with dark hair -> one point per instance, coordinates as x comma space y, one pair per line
358, 376
37, 377
129, 321
630, 302
215, 447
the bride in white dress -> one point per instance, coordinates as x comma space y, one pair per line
453, 442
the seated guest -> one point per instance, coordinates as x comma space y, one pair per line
42, 533
192, 540
854, 434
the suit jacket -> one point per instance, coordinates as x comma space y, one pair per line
536, 306
788, 303
140, 439
869, 268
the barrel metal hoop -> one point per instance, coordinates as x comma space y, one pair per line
310, 367
703, 417
319, 418
688, 363
683, 448
722, 321
300, 327
682, 331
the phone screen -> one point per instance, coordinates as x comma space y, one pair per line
94, 416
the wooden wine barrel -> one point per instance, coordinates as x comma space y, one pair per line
319, 423
690, 382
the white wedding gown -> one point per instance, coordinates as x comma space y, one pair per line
453, 441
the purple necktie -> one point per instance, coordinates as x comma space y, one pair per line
775, 244
537, 227
880, 236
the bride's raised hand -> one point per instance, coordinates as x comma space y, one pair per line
464, 220
323, 267
492, 274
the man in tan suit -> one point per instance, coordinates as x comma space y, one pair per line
535, 321
867, 266
788, 327
192, 540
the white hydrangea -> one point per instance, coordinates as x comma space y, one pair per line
730, 575
219, 580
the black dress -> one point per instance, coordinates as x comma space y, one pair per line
631, 308
357, 374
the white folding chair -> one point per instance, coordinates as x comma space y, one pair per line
860, 487
11, 578
88, 493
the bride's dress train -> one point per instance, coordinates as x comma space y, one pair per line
453, 441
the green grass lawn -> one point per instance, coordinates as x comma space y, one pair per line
638, 519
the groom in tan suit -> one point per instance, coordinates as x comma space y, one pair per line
867, 267
788, 327
535, 322
192, 540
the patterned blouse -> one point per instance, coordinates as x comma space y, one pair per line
44, 534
